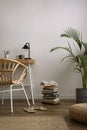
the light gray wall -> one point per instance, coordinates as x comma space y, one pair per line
41, 22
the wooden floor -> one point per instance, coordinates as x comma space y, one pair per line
59, 109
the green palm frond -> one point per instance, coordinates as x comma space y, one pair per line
55, 48
85, 47
68, 49
68, 57
65, 48
74, 34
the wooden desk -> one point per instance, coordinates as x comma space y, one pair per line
26, 61
29, 62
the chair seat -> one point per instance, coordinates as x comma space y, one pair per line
78, 112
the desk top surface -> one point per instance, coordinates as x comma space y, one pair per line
26, 61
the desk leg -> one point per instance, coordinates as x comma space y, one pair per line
31, 83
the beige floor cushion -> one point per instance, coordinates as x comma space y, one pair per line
79, 112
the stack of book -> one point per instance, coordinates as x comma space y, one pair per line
50, 92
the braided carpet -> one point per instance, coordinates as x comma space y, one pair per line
33, 123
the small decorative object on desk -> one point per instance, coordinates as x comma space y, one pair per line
20, 57
50, 92
6, 53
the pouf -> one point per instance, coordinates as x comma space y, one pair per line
79, 112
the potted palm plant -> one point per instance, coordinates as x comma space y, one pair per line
79, 58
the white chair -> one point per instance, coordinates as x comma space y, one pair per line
9, 76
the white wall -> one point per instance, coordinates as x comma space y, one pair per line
41, 22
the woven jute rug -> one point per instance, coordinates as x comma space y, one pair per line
33, 123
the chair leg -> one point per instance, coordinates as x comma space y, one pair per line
25, 94
3, 95
11, 98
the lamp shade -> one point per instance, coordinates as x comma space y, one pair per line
26, 46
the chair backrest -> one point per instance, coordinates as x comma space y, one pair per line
9, 69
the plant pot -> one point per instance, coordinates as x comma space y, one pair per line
81, 95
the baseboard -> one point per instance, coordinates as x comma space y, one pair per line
67, 97
39, 97
61, 97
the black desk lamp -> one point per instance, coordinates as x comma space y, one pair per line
27, 47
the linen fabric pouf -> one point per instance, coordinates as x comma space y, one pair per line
79, 112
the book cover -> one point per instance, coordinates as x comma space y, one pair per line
50, 101
50, 83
